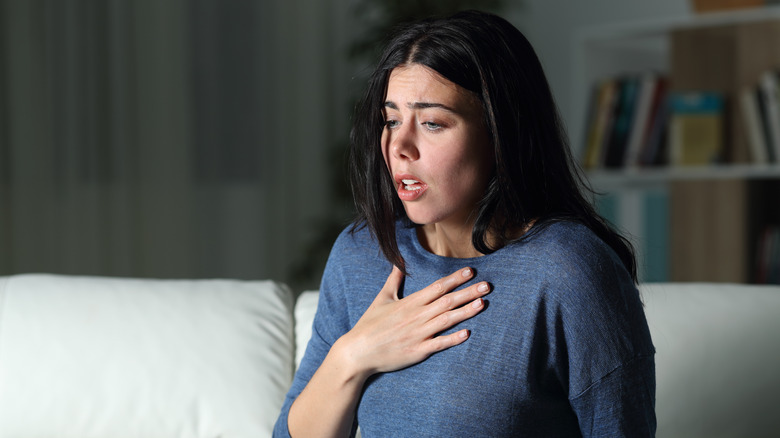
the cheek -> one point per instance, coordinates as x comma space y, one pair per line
471, 173
462, 177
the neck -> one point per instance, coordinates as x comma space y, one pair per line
446, 241
456, 241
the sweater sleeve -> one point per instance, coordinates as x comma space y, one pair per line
622, 404
330, 322
605, 355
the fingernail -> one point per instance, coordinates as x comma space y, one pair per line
483, 287
464, 334
466, 272
477, 303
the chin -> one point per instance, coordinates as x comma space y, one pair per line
424, 218
420, 219
427, 216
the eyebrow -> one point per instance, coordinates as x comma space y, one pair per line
420, 105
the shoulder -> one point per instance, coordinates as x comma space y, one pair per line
566, 237
354, 242
354, 273
585, 267
574, 252
354, 253
585, 279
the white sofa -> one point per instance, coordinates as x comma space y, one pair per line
105, 357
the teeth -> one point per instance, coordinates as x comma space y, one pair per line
409, 184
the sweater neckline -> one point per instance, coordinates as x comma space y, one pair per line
419, 250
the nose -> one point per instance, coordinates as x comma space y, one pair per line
403, 143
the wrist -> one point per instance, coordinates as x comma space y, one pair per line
347, 362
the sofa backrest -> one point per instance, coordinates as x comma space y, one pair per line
105, 357
717, 358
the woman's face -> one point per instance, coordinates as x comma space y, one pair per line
436, 146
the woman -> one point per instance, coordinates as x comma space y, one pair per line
465, 187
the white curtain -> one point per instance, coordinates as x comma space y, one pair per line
166, 138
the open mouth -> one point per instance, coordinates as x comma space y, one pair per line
411, 184
410, 188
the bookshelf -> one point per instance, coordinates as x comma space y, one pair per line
610, 50
690, 223
612, 180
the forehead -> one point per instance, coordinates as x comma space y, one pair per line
416, 83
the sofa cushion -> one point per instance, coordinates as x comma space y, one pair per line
305, 308
99, 357
717, 358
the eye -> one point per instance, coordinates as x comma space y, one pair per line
432, 126
390, 124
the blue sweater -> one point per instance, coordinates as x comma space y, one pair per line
562, 348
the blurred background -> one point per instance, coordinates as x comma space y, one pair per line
206, 138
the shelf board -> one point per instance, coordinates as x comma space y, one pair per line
620, 32
637, 177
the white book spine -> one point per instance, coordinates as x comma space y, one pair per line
769, 91
641, 119
752, 119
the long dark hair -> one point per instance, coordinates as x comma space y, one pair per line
536, 180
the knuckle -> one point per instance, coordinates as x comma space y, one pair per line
448, 341
465, 313
440, 343
442, 320
447, 302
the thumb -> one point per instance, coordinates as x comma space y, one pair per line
393, 284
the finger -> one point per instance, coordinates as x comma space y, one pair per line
446, 284
444, 342
458, 298
392, 284
445, 320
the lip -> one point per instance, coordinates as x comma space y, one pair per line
409, 192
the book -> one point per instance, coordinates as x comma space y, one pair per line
754, 126
654, 149
696, 133
648, 83
774, 262
764, 123
626, 121
763, 255
768, 91
590, 122
601, 122
768, 256
623, 117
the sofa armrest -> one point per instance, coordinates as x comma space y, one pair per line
89, 356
